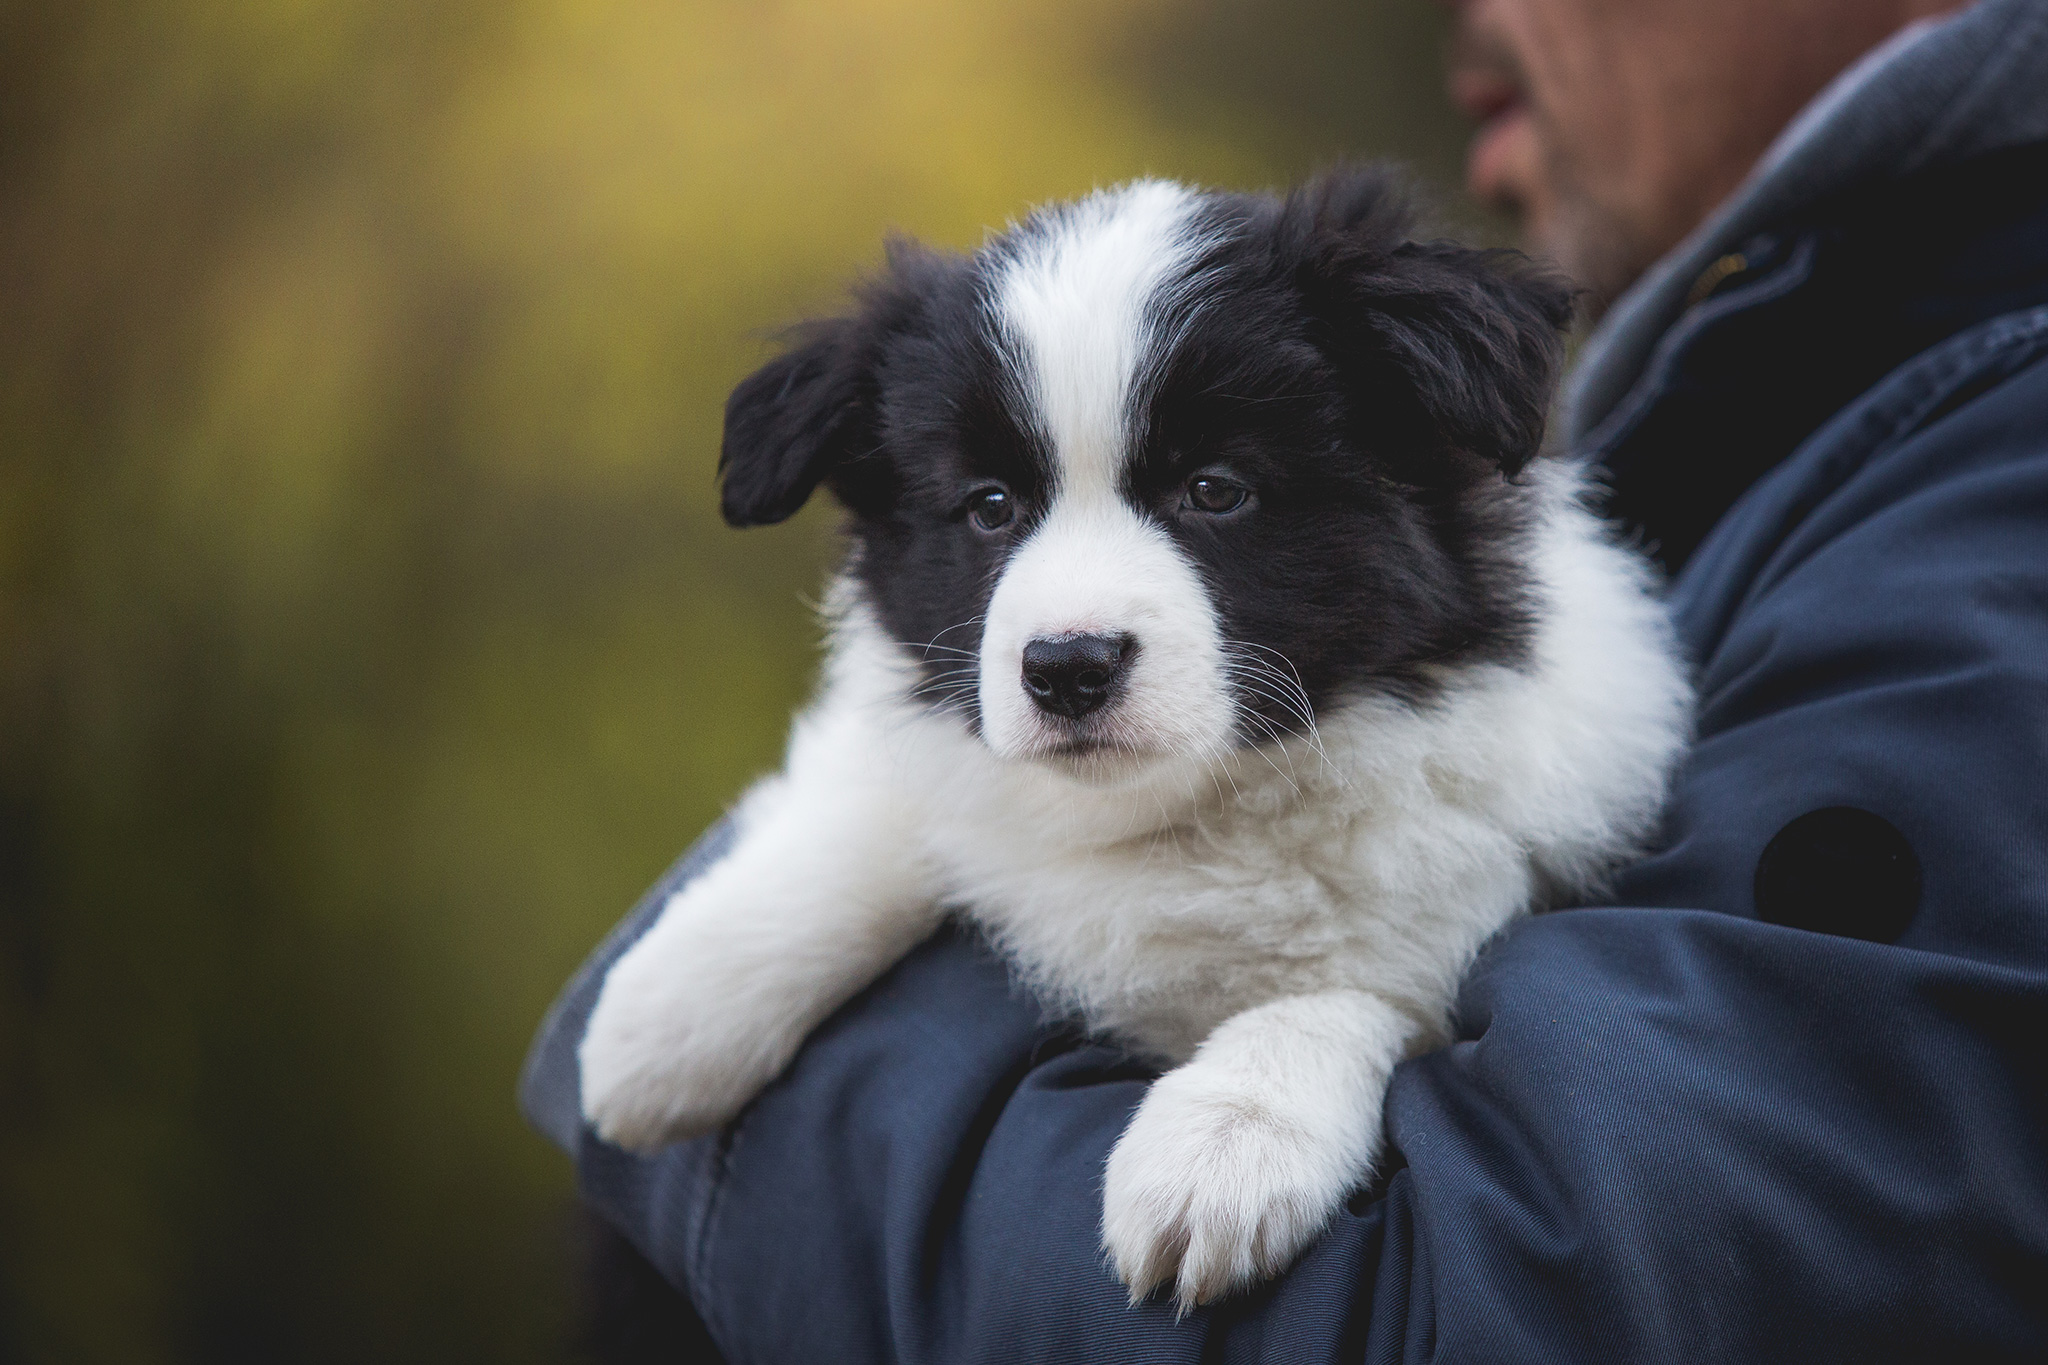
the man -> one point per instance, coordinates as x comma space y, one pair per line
1782, 1098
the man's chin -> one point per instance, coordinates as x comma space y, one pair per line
1512, 170
1502, 162
1591, 245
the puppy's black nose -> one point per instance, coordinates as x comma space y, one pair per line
1071, 675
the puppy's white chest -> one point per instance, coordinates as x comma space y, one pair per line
1162, 934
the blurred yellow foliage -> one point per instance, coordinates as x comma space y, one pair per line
367, 635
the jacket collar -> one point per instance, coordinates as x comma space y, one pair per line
1938, 92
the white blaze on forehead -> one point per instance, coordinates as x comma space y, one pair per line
1079, 297
1076, 300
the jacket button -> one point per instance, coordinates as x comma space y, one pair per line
1714, 276
1839, 871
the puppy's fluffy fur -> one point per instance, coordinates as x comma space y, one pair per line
1368, 680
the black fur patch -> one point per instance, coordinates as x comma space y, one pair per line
1379, 394
1375, 393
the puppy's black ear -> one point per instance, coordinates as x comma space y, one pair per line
793, 421
1476, 335
813, 414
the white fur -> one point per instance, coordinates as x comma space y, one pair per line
1282, 923
1081, 301
1096, 567
1213, 1182
823, 891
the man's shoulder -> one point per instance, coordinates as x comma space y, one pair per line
1869, 624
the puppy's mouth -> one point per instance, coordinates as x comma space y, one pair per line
1064, 741
1096, 762
1082, 747
1095, 749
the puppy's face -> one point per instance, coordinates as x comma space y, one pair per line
1161, 473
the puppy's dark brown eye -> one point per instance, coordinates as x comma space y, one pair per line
1215, 494
991, 509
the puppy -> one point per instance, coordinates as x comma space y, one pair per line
1212, 637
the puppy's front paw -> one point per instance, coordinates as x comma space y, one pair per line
673, 1049
1214, 1184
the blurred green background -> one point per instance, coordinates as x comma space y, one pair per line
368, 638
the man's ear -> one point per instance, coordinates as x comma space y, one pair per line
1476, 335
793, 421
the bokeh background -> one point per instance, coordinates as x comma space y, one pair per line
368, 637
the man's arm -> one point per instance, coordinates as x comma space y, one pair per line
1673, 1131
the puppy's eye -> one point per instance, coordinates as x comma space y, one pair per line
1215, 494
991, 508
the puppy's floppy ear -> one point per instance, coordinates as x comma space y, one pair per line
793, 421
812, 415
1475, 334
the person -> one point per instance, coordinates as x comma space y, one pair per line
1774, 1099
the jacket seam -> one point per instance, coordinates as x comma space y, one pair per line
1794, 271
1933, 377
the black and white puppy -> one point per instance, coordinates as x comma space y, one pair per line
1212, 634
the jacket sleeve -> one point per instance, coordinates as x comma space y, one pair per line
1784, 1100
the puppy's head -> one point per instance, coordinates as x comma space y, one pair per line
1163, 472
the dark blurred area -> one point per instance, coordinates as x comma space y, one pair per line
368, 637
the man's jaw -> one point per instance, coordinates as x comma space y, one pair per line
1516, 166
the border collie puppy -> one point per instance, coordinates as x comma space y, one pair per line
1213, 638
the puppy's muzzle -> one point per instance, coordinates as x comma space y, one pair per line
1072, 675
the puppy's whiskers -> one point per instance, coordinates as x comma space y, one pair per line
1248, 666
951, 690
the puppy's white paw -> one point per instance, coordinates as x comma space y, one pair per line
683, 1034
1214, 1184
